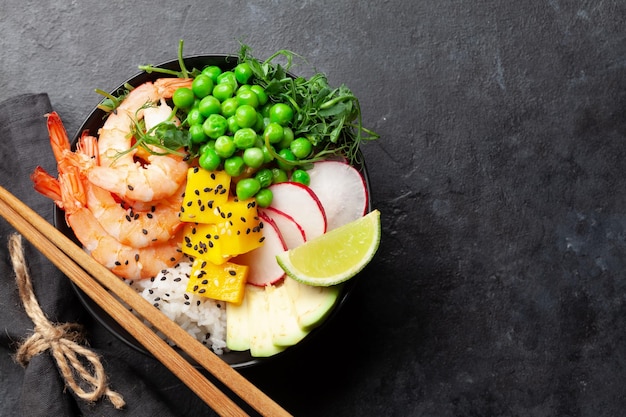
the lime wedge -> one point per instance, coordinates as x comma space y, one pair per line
335, 256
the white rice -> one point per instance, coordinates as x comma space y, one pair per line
201, 317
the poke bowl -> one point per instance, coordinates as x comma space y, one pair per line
236, 355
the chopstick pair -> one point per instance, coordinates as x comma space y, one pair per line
94, 279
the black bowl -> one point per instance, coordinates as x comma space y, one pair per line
91, 124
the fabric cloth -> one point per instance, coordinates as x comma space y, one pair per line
37, 389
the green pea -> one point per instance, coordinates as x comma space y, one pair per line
209, 144
248, 97
233, 127
274, 133
253, 157
267, 155
244, 87
224, 146
229, 106
183, 98
215, 126
209, 105
288, 160
264, 176
194, 117
202, 85
301, 176
287, 138
243, 72
196, 134
223, 91
213, 71
264, 197
281, 113
209, 159
245, 138
260, 93
228, 77
234, 166
245, 115
259, 126
247, 188
301, 147
279, 175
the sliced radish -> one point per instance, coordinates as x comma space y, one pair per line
302, 205
292, 232
262, 261
341, 189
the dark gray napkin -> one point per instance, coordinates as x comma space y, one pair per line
37, 389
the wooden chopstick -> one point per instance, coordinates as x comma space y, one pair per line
90, 277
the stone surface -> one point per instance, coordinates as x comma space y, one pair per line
499, 288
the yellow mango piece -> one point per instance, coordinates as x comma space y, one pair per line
201, 241
205, 190
224, 282
240, 229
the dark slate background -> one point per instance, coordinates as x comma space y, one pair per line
499, 288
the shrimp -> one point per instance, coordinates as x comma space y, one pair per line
159, 176
132, 227
123, 260
72, 191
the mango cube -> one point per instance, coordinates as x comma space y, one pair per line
224, 282
205, 191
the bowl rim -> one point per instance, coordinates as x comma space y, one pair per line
236, 359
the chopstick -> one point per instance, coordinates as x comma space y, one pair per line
93, 279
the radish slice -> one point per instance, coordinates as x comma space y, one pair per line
341, 189
302, 205
292, 233
262, 261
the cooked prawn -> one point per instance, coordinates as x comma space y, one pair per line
72, 191
119, 172
132, 227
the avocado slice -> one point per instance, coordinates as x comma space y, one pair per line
312, 304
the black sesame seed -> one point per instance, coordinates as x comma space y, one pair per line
130, 187
144, 231
231, 272
136, 257
149, 215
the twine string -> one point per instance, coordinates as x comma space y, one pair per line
63, 340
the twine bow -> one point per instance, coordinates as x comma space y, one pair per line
62, 340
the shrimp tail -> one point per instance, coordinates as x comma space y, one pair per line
47, 185
59, 140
